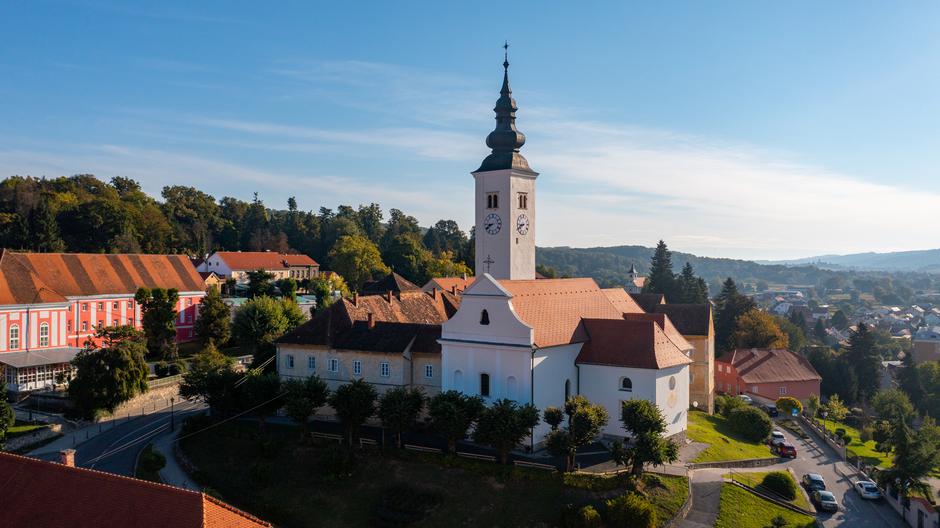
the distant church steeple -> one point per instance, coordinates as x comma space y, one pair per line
505, 140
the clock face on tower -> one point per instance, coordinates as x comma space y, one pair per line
492, 223
522, 224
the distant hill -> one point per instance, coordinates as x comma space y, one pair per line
925, 260
610, 266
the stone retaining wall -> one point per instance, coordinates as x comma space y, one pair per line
748, 463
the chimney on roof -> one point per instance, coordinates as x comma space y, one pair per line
355, 299
370, 321
434, 293
67, 457
464, 276
453, 289
388, 296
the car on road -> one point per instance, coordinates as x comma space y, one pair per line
813, 482
771, 411
867, 490
746, 399
825, 500
777, 438
785, 449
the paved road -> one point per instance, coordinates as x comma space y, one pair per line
813, 457
115, 450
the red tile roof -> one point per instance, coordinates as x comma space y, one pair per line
268, 260
450, 283
49, 495
758, 365
629, 343
19, 285
622, 300
665, 325
555, 307
80, 274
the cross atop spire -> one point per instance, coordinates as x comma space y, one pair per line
505, 140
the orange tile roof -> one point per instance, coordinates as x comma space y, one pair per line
629, 343
622, 300
759, 365
79, 274
19, 285
555, 307
450, 283
253, 260
665, 325
49, 495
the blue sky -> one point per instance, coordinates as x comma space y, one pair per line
744, 129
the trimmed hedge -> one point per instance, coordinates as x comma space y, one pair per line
751, 423
781, 483
631, 511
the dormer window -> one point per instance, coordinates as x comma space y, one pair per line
492, 200
523, 200
484, 317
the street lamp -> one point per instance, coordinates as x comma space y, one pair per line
172, 422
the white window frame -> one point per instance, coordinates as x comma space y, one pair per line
357, 368
290, 361
782, 391
621, 387
312, 362
334, 365
14, 336
429, 371
84, 326
754, 389
384, 369
44, 334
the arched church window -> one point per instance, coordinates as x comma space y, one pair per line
567, 389
626, 384
485, 385
523, 200
458, 380
511, 387
484, 317
492, 201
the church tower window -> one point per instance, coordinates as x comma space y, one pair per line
523, 200
492, 200
485, 385
484, 317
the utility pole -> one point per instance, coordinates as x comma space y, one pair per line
172, 422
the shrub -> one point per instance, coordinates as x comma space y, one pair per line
725, 403
150, 464
781, 483
751, 423
164, 369
840, 432
847, 439
631, 511
584, 517
866, 433
787, 404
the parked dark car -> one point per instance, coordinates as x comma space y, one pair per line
771, 410
785, 449
813, 482
825, 500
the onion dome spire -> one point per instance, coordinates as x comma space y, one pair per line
505, 140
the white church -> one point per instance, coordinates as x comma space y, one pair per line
540, 340
507, 334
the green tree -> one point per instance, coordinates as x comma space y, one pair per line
504, 425
159, 321
758, 329
444, 265
260, 282
788, 404
407, 257
292, 312
205, 364
399, 409
288, 288
43, 228
631, 510
214, 324
892, 405
7, 416
865, 361
916, 454
690, 289
819, 330
109, 376
357, 260
751, 423
910, 381
812, 405
324, 286
452, 413
796, 337
729, 306
661, 278
257, 324
445, 237
586, 420
835, 409
261, 392
399, 224
645, 424
302, 398
553, 416
839, 320
354, 403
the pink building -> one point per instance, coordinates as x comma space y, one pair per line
766, 374
51, 304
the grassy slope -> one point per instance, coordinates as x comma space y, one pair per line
754, 479
284, 482
21, 428
742, 509
866, 450
724, 444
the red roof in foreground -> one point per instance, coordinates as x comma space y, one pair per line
253, 260
50, 495
629, 343
758, 365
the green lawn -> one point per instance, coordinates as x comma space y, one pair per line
754, 479
865, 450
21, 428
293, 483
724, 444
742, 509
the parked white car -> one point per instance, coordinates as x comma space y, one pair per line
777, 438
867, 490
747, 399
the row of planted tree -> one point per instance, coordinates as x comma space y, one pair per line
451, 416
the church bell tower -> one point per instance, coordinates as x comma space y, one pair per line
505, 197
